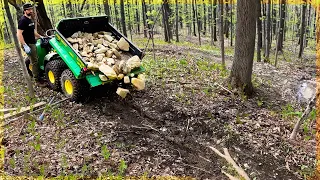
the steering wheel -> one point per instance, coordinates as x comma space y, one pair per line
50, 30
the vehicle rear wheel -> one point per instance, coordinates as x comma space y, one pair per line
75, 89
53, 72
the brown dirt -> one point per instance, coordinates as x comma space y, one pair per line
155, 132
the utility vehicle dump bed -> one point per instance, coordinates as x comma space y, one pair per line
67, 27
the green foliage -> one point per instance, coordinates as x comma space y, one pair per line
105, 152
122, 167
288, 112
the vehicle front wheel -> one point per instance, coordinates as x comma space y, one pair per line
53, 72
75, 89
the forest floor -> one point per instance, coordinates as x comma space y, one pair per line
165, 130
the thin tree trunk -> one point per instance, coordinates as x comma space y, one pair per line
211, 23
198, 23
106, 8
204, 18
6, 33
231, 24
129, 17
123, 18
137, 18
177, 21
259, 26
215, 20
274, 21
264, 43
268, 44
69, 9
302, 29
166, 21
194, 18
116, 15
308, 26
221, 33
187, 17
144, 18
226, 27
18, 49
281, 25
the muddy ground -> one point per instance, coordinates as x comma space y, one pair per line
166, 129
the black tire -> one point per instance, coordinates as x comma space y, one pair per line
53, 71
28, 65
80, 87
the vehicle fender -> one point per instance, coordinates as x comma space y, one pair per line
50, 56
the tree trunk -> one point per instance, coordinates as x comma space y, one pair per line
268, 43
137, 18
308, 26
244, 46
226, 27
69, 9
166, 21
63, 9
215, 20
264, 29
6, 33
187, 20
194, 18
281, 25
116, 15
18, 49
169, 23
211, 22
17, 7
198, 23
259, 26
129, 18
231, 24
177, 21
221, 33
44, 22
144, 18
204, 18
106, 8
274, 20
298, 13
123, 18
302, 29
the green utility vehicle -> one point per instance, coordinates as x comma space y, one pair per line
64, 67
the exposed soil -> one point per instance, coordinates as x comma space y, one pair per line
165, 129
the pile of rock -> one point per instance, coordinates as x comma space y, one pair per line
101, 51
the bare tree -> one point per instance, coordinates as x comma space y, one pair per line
21, 61
221, 32
259, 26
244, 46
302, 29
123, 18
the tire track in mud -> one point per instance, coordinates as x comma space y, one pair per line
145, 117
140, 124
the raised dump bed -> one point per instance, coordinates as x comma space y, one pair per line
87, 52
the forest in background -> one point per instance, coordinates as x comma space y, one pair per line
177, 21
